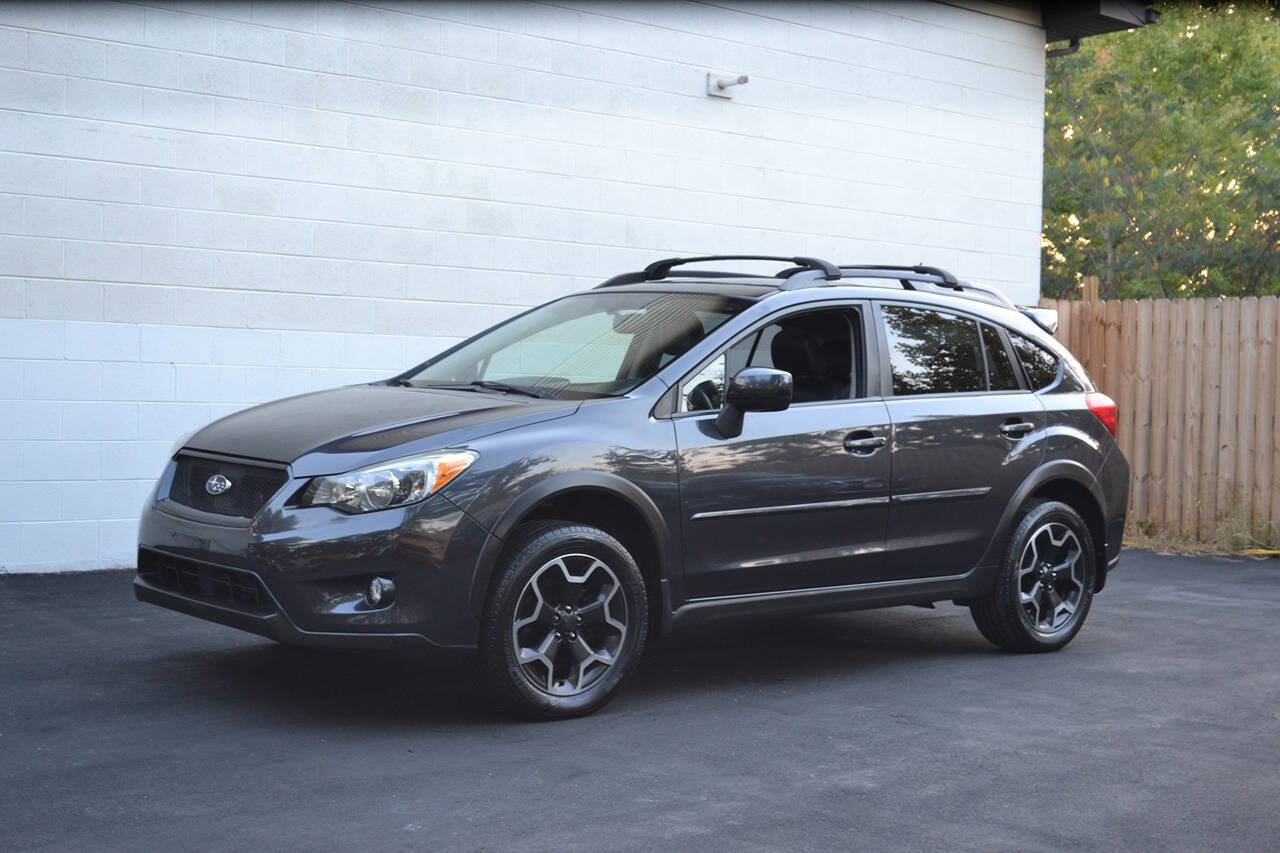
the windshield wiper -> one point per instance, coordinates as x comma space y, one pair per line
480, 385
509, 389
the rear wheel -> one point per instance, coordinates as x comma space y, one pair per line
566, 622
1044, 588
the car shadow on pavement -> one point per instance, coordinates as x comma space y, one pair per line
326, 686
802, 649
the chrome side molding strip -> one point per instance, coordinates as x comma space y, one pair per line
948, 494
912, 497
762, 510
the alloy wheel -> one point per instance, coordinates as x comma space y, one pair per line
1051, 581
570, 622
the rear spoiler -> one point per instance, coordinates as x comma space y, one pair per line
1045, 318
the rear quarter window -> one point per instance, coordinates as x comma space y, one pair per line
1040, 365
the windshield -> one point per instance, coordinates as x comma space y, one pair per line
589, 345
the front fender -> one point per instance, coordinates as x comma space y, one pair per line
557, 484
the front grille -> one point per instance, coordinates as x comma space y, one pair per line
251, 485
232, 588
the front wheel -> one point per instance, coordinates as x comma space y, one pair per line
1044, 588
566, 622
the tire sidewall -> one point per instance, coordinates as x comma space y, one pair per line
1033, 520
518, 568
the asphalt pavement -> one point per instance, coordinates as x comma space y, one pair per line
126, 726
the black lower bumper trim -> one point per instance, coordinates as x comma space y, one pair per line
275, 626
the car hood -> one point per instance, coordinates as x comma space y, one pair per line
331, 431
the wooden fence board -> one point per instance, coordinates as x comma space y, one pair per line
1097, 336
1200, 461
1112, 353
1181, 382
1265, 418
1207, 415
1228, 404
1159, 366
1139, 420
1275, 429
1246, 393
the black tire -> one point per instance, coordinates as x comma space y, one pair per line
533, 550
1001, 615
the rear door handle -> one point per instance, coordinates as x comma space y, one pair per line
863, 442
1013, 429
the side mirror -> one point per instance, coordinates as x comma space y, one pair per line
753, 389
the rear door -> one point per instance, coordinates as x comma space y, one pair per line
966, 433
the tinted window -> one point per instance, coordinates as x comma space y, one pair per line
932, 353
1000, 372
1073, 379
817, 348
1040, 365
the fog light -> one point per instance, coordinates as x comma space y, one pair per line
381, 591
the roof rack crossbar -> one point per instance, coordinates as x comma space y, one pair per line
937, 276
659, 270
946, 278
906, 276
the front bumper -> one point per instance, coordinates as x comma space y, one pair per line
312, 566
276, 625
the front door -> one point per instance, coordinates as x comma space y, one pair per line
799, 499
965, 436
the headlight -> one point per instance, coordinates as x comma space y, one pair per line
389, 484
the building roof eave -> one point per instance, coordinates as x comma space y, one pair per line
1077, 19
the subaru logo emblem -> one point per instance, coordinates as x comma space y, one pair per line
217, 484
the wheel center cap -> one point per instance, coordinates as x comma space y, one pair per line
568, 618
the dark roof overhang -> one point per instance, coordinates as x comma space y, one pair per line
1077, 19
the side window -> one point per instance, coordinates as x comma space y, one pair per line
1040, 365
1000, 372
820, 349
932, 353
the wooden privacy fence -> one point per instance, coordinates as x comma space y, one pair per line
1195, 382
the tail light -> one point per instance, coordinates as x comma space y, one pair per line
1103, 408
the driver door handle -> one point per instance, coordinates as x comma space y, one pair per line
864, 442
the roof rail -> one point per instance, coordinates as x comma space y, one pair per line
905, 275
659, 270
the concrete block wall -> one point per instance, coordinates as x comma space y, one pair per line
205, 205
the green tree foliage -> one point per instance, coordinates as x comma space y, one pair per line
1162, 162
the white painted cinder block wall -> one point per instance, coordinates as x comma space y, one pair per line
204, 205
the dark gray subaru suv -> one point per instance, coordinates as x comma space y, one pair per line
657, 452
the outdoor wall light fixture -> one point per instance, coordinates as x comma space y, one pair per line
722, 87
